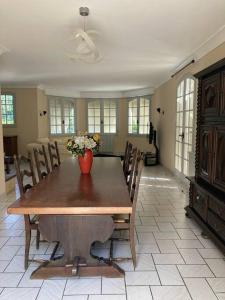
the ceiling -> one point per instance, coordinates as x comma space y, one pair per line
142, 42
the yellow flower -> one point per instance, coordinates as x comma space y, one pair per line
96, 137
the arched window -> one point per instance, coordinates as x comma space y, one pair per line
184, 124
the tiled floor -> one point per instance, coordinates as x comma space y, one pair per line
174, 261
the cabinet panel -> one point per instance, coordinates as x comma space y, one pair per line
217, 224
206, 153
200, 203
219, 158
210, 98
222, 99
218, 207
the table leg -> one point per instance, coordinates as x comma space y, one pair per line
76, 234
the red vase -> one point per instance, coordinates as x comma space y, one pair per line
85, 161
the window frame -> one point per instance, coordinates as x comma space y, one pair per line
138, 114
14, 110
62, 101
184, 111
101, 100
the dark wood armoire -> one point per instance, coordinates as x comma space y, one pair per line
207, 188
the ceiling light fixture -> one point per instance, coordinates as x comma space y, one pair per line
85, 48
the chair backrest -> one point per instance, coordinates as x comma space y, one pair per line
133, 164
128, 160
41, 162
125, 154
135, 184
54, 155
24, 167
136, 176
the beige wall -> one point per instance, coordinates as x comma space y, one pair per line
2, 173
26, 127
42, 105
165, 98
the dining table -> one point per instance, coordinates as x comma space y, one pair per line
77, 210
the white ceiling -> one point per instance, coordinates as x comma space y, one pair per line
142, 42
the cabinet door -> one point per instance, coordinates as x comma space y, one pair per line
219, 158
222, 99
206, 153
200, 203
210, 99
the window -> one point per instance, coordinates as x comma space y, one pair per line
184, 124
102, 116
61, 116
8, 109
138, 115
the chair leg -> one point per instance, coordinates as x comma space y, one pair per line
37, 239
27, 248
132, 245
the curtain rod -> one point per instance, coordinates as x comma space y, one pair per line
191, 62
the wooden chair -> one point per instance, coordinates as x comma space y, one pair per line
54, 155
31, 223
41, 161
125, 154
127, 161
127, 222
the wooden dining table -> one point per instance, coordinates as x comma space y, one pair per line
76, 210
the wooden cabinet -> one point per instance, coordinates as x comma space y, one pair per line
205, 153
210, 100
10, 145
207, 189
219, 158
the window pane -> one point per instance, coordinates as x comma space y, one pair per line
109, 119
7, 108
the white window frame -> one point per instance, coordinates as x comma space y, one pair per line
62, 101
14, 109
148, 97
101, 102
194, 92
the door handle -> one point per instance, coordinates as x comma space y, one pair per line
182, 135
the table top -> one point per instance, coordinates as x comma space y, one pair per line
67, 191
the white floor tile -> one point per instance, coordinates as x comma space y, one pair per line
142, 278
83, 286
145, 263
52, 290
195, 271
169, 275
165, 227
199, 289
211, 253
16, 265
217, 266
27, 282
167, 246
147, 248
186, 234
21, 293
3, 264
191, 256
188, 244
170, 293
113, 286
217, 284
107, 297
166, 235
221, 296
138, 293
167, 259
8, 252
10, 279
78, 297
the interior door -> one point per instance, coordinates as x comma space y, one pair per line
184, 125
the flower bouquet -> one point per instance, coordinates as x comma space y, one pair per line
83, 146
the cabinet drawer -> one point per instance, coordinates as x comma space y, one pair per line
200, 203
217, 224
218, 207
